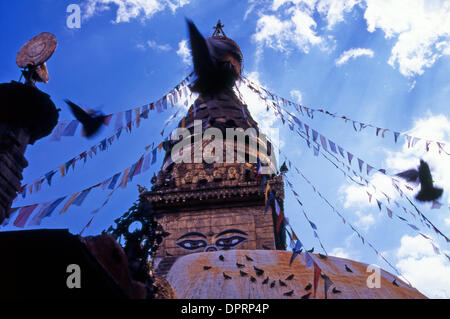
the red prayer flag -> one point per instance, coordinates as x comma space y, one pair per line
280, 220
107, 119
317, 272
23, 216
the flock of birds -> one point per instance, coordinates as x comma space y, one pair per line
260, 273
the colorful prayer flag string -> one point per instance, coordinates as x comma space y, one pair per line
181, 91
358, 126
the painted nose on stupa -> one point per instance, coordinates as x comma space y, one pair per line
210, 248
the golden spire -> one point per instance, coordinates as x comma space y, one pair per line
218, 31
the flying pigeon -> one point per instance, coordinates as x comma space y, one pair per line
221, 258
348, 269
240, 265
282, 284
322, 256
308, 286
226, 276
290, 277
422, 175
395, 283
272, 284
217, 62
91, 120
248, 258
206, 267
289, 293
265, 281
243, 273
306, 296
259, 272
336, 291
311, 250
252, 279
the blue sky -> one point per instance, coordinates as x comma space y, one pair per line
380, 62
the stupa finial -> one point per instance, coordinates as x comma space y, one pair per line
218, 31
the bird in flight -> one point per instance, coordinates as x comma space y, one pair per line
91, 120
422, 175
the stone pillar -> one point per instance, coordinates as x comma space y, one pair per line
13, 143
26, 115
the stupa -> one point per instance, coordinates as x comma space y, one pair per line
224, 241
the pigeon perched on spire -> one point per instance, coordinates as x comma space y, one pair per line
217, 61
422, 175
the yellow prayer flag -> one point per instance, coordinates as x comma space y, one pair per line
137, 113
62, 169
68, 203
266, 192
124, 180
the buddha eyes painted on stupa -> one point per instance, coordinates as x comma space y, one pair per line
224, 240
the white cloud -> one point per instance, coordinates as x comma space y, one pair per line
153, 45
184, 52
422, 29
297, 28
290, 24
353, 195
340, 252
297, 95
426, 271
159, 47
353, 54
131, 9
334, 10
140, 46
365, 221
267, 123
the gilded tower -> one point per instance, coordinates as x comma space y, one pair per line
216, 203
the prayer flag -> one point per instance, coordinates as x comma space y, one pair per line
119, 121
327, 284
308, 260
114, 181
70, 128
23, 215
296, 250
80, 199
36, 220
68, 203
154, 156
323, 141
124, 181
317, 272
332, 146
